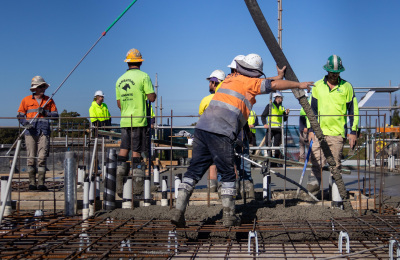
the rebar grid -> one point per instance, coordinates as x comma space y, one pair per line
58, 237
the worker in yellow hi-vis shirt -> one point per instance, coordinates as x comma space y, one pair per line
215, 79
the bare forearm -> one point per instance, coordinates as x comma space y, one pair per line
284, 84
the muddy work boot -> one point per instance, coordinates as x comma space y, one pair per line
213, 185
138, 177
313, 185
229, 218
178, 213
41, 178
122, 171
32, 177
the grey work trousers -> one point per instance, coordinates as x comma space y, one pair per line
37, 146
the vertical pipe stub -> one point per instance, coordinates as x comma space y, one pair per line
164, 191
127, 196
5, 196
147, 195
70, 184
110, 185
267, 188
85, 208
178, 180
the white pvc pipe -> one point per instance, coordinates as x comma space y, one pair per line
147, 197
93, 157
81, 176
156, 177
178, 180
91, 197
17, 150
336, 198
85, 209
164, 188
267, 187
5, 198
97, 187
127, 193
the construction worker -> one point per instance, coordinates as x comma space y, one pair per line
331, 98
218, 128
303, 134
132, 89
37, 134
98, 111
253, 122
215, 79
278, 115
244, 184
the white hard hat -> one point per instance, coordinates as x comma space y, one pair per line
99, 93
252, 61
277, 94
219, 74
233, 63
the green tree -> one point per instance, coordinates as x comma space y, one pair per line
71, 124
8, 136
396, 116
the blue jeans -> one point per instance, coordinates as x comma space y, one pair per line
243, 166
209, 148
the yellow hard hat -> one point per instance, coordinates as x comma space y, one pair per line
133, 55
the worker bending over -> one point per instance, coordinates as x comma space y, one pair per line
217, 131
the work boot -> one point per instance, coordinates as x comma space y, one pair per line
122, 171
138, 178
248, 190
41, 178
213, 185
229, 218
178, 213
313, 185
32, 177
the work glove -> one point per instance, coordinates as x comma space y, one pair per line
28, 126
238, 143
42, 111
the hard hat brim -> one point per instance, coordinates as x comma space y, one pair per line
133, 60
246, 65
332, 70
36, 86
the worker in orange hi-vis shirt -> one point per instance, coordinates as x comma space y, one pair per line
37, 132
217, 130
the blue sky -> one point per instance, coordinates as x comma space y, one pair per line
183, 42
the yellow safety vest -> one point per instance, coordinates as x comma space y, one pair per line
277, 115
252, 120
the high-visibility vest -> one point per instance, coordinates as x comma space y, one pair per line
99, 112
277, 115
252, 120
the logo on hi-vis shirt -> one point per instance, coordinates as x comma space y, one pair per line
126, 86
